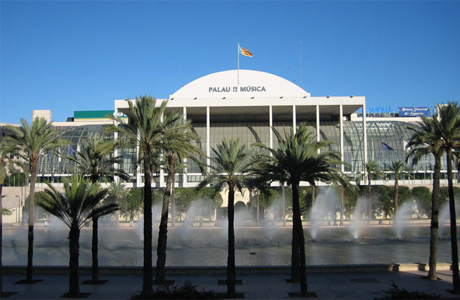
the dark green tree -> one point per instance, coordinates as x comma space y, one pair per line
230, 166
118, 192
144, 129
74, 207
372, 172
398, 169
176, 145
32, 142
449, 130
6, 151
95, 161
131, 206
422, 196
426, 140
298, 159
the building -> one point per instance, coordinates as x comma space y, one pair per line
246, 104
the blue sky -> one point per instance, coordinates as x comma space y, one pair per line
82, 55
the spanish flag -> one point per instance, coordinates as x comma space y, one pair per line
245, 52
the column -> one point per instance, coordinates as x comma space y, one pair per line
342, 167
270, 111
208, 136
294, 119
184, 173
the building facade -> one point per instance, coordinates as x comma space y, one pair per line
247, 104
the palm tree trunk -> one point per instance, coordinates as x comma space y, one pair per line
147, 274
295, 247
434, 227
369, 202
94, 250
313, 190
173, 206
94, 244
74, 249
30, 249
301, 239
342, 199
453, 226
283, 211
163, 233
231, 270
117, 213
258, 207
396, 195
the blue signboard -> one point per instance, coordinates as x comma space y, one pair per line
414, 111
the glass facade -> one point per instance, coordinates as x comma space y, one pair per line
386, 142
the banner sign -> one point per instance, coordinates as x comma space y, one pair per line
414, 111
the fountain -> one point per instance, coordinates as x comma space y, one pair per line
357, 222
399, 220
207, 245
197, 210
443, 217
323, 205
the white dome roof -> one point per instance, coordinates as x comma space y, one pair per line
234, 84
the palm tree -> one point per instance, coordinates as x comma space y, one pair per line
176, 145
74, 207
31, 143
426, 140
449, 129
298, 159
373, 172
230, 167
118, 191
397, 168
95, 161
5, 162
144, 129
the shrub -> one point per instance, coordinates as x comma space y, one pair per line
396, 293
183, 292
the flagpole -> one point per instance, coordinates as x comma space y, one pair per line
238, 74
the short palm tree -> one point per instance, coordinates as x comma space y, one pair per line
398, 168
298, 159
32, 142
119, 192
426, 140
176, 146
144, 129
95, 161
373, 172
230, 166
449, 129
74, 207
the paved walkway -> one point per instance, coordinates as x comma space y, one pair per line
254, 286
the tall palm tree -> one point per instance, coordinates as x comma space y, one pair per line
95, 160
426, 140
5, 163
74, 207
449, 129
144, 129
298, 159
373, 172
176, 146
32, 142
230, 166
